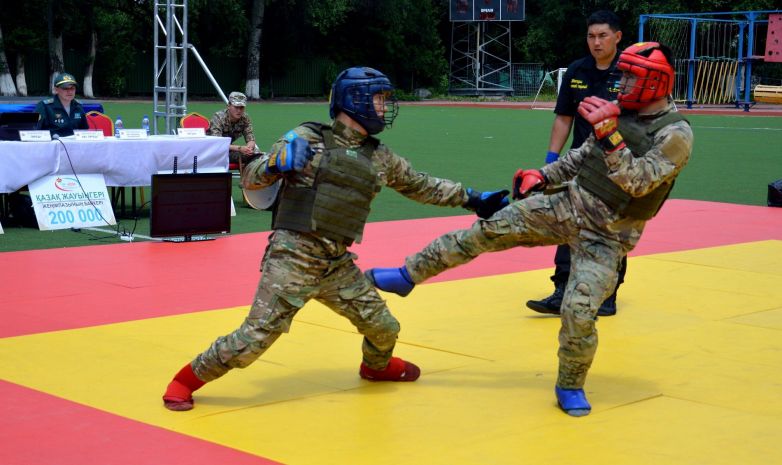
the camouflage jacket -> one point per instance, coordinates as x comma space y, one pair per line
635, 174
393, 170
220, 125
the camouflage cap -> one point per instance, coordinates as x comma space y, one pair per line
237, 99
65, 79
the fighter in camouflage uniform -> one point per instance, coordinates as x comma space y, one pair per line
330, 175
618, 180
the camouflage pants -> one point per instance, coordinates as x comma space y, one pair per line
541, 220
295, 271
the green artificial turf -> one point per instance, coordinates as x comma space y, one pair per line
734, 159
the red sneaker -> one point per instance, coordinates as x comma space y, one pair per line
179, 393
396, 370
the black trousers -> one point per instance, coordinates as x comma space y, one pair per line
562, 268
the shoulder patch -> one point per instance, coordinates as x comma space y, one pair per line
48, 100
290, 135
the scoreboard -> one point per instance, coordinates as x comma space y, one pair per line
487, 10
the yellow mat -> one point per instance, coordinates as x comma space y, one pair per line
688, 372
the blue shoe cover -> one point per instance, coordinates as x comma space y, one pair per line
395, 280
573, 401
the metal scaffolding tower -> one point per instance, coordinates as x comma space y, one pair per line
480, 58
169, 95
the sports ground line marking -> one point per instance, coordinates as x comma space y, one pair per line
738, 129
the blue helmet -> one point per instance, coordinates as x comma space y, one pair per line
352, 93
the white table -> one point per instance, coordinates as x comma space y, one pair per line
123, 163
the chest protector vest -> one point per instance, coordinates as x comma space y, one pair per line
639, 137
337, 204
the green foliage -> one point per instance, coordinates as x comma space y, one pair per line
325, 16
123, 27
406, 39
23, 26
219, 26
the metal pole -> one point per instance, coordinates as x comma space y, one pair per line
478, 56
208, 73
691, 63
156, 64
171, 62
742, 63
183, 56
641, 22
750, 53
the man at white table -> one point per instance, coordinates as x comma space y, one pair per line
62, 113
233, 122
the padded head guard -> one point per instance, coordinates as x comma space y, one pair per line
650, 63
352, 93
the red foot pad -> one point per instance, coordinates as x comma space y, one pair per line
179, 393
396, 370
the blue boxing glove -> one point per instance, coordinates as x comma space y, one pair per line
485, 204
293, 156
551, 157
396, 280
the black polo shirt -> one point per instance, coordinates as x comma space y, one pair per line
581, 80
57, 120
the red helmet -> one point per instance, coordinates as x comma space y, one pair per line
649, 63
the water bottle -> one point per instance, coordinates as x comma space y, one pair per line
145, 123
117, 126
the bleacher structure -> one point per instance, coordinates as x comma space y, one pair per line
714, 53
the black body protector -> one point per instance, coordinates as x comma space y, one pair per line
337, 204
639, 136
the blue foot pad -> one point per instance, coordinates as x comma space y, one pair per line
573, 401
395, 280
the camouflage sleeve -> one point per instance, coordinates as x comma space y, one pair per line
215, 129
249, 136
255, 176
640, 175
397, 173
565, 168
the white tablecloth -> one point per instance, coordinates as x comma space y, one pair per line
122, 162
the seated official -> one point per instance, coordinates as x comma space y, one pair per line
233, 122
62, 113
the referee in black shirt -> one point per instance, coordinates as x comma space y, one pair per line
595, 74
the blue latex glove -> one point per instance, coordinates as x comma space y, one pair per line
293, 156
485, 204
551, 157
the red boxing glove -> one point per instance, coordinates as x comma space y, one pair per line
602, 115
525, 181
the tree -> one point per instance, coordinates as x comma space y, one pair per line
24, 33
124, 33
54, 36
87, 89
253, 85
6, 81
